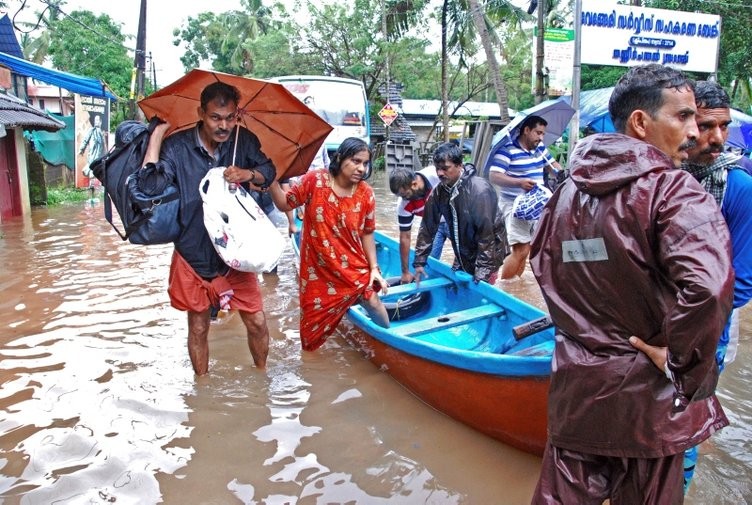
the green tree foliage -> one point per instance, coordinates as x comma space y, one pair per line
599, 76
417, 69
468, 20
516, 69
346, 49
229, 40
203, 37
92, 46
330, 43
276, 53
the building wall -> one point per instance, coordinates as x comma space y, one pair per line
23, 179
49, 98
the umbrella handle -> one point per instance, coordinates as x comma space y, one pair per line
235, 147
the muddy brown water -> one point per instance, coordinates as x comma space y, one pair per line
100, 405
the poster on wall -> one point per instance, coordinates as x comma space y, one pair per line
91, 140
558, 60
627, 35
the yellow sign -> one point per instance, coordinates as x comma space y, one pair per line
388, 114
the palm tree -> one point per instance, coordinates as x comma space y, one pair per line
242, 28
35, 49
467, 19
479, 21
444, 83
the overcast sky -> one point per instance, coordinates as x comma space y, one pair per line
162, 17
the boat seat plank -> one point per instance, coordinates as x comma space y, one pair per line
425, 285
452, 319
545, 348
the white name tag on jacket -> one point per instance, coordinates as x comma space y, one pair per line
592, 249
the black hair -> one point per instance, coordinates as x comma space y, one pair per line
400, 178
448, 151
347, 149
220, 91
641, 88
531, 122
710, 95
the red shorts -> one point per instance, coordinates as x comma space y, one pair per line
188, 291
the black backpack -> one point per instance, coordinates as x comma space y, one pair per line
145, 219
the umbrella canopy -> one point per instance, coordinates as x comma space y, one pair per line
290, 133
740, 131
556, 112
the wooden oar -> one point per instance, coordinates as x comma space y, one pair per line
531, 327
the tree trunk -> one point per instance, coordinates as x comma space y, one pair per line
444, 84
493, 65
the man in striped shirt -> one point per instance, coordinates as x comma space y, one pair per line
414, 188
517, 168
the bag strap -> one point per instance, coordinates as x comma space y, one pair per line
108, 200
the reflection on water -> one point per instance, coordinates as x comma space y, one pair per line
100, 405
88, 371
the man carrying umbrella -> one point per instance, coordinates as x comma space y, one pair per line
517, 168
199, 279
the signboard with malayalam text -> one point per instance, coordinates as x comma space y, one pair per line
627, 35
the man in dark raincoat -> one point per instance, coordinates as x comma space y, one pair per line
468, 204
631, 251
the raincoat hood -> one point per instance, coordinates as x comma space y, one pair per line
606, 162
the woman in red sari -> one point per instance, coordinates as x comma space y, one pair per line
337, 251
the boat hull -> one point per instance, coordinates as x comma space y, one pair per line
511, 409
459, 352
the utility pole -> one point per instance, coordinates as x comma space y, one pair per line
139, 62
540, 51
574, 124
540, 47
385, 33
153, 72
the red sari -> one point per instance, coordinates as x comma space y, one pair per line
334, 269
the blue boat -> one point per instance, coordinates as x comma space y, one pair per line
469, 350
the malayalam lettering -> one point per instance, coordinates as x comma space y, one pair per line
629, 35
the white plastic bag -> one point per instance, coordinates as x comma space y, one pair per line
529, 205
242, 234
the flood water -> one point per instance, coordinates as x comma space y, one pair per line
100, 404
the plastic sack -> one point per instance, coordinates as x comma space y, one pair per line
529, 206
242, 234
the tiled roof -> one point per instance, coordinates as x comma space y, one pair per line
15, 113
8, 41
